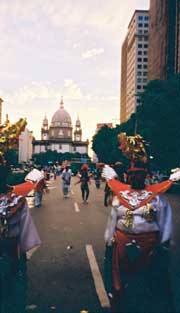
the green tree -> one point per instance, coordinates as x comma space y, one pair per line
105, 143
159, 119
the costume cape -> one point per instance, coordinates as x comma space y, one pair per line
118, 188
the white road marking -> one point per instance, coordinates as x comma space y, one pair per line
98, 281
76, 207
52, 187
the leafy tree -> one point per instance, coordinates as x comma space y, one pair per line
159, 119
11, 157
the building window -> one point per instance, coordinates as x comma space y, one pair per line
146, 31
138, 87
139, 80
145, 59
145, 66
144, 80
61, 132
146, 18
140, 45
74, 149
146, 25
140, 18
60, 147
69, 133
139, 59
140, 52
139, 73
139, 66
140, 25
145, 52
146, 45
144, 73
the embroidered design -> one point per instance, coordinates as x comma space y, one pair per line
134, 198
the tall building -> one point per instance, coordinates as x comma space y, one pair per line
164, 39
59, 134
134, 63
25, 146
123, 81
1, 101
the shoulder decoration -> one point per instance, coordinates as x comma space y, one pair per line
9, 206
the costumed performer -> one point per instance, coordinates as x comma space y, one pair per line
137, 237
18, 235
38, 178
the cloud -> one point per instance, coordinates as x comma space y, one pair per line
91, 54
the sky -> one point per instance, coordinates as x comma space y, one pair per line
69, 48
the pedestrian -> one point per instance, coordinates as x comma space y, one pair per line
137, 239
84, 180
18, 235
97, 176
66, 180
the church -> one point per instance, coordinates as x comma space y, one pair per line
59, 135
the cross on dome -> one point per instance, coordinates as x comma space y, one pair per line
62, 103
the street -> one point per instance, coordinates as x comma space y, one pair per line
65, 273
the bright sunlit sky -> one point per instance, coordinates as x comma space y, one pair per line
69, 48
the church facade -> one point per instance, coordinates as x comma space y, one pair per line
59, 134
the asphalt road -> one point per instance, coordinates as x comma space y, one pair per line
64, 274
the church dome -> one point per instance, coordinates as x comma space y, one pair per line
61, 117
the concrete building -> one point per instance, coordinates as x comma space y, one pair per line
1, 101
59, 135
25, 146
123, 80
134, 63
164, 39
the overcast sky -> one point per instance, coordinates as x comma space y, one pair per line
69, 48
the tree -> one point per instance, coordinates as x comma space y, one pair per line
159, 119
105, 143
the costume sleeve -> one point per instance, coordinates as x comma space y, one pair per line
29, 237
165, 219
111, 225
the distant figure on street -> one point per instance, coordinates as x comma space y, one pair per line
84, 180
97, 176
66, 180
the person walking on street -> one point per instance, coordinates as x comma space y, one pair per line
84, 180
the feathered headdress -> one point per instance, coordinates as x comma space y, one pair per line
133, 148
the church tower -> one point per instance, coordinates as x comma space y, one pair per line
78, 130
44, 129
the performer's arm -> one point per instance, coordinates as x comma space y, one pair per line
165, 219
29, 237
111, 226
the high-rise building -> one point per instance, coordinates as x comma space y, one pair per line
1, 101
164, 39
134, 63
123, 80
